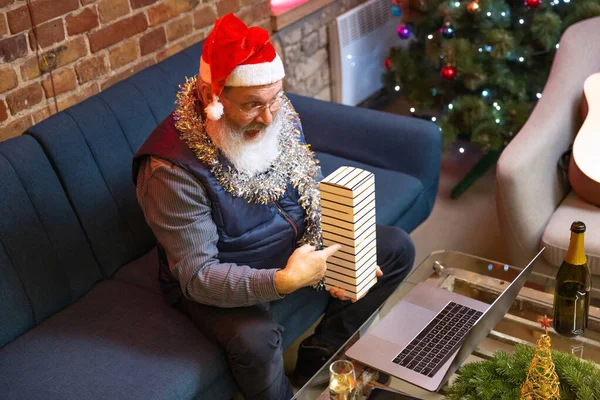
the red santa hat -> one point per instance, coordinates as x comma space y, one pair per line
236, 55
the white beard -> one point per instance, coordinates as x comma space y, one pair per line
247, 156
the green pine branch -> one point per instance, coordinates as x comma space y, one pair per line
546, 28
501, 377
583, 9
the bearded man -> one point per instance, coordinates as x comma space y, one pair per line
230, 191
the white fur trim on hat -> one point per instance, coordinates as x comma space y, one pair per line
214, 110
249, 74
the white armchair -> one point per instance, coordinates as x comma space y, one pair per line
534, 200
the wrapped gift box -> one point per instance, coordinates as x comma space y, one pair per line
348, 218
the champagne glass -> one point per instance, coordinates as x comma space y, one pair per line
342, 381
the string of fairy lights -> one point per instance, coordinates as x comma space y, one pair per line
498, 12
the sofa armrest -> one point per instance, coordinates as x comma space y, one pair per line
381, 139
529, 183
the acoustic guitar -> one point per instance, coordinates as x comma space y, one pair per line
584, 166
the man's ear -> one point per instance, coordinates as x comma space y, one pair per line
205, 92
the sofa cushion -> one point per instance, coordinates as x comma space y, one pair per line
142, 272
91, 152
159, 84
395, 192
45, 261
557, 234
158, 90
92, 145
132, 111
194, 52
117, 342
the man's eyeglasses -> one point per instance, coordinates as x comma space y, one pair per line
253, 109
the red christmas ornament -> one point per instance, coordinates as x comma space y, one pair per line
448, 72
388, 64
533, 3
473, 7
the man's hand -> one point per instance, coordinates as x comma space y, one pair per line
341, 293
306, 266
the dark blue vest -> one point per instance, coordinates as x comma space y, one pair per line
257, 235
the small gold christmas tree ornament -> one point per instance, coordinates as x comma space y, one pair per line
541, 382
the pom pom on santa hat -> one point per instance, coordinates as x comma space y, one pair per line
236, 55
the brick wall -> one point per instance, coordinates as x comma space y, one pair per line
94, 44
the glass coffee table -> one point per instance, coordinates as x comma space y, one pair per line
483, 280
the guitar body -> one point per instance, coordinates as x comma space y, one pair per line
584, 167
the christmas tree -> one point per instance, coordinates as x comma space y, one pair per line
542, 381
477, 67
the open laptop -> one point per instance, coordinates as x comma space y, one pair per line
427, 336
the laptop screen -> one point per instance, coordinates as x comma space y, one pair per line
491, 317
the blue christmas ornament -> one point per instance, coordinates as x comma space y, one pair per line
404, 32
396, 11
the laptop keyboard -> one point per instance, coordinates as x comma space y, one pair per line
432, 347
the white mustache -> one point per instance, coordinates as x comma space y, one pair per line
248, 156
255, 126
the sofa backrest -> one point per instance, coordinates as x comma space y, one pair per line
45, 260
69, 213
91, 146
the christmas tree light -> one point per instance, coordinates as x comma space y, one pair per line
478, 65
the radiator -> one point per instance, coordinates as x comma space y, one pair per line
359, 42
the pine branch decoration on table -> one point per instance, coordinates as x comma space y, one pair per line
542, 381
501, 377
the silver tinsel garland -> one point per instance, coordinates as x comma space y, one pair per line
294, 163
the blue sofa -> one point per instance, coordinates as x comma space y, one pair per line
80, 311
